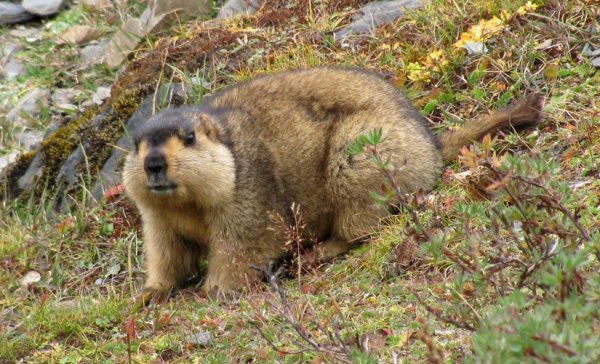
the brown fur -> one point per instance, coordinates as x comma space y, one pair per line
262, 145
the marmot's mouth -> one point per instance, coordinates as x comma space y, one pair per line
162, 188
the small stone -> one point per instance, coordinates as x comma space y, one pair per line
29, 105
30, 139
92, 55
238, 7
43, 7
13, 13
596, 62
374, 14
7, 159
124, 41
9, 49
202, 338
62, 96
475, 48
102, 93
13, 69
29, 278
29, 34
97, 4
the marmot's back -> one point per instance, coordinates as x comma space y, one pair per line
308, 118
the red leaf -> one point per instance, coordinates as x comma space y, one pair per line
131, 329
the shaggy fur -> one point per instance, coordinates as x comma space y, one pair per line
263, 144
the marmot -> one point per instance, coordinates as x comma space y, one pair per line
208, 178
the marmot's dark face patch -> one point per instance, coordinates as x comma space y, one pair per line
179, 157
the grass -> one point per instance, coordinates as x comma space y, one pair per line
379, 301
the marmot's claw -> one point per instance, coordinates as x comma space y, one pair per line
149, 296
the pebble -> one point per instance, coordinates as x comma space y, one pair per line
92, 54
13, 69
102, 93
30, 104
13, 13
7, 159
202, 338
43, 7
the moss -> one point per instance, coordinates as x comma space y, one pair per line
58, 146
99, 139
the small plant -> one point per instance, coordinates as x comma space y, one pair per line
519, 242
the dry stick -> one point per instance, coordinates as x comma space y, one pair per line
439, 316
286, 311
553, 199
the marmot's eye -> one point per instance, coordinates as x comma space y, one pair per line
190, 139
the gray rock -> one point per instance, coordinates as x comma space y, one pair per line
29, 139
596, 62
32, 174
375, 14
475, 48
34, 171
30, 104
101, 94
29, 34
63, 97
93, 54
13, 69
202, 338
13, 13
97, 4
8, 50
7, 159
238, 7
43, 7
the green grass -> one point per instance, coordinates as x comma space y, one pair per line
378, 301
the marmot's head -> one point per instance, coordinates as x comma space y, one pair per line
179, 159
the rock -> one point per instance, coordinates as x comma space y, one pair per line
158, 13
373, 15
62, 97
124, 41
13, 13
238, 7
29, 34
30, 105
34, 170
8, 50
29, 139
596, 62
32, 174
43, 7
101, 94
7, 159
97, 4
475, 48
92, 55
182, 7
202, 338
29, 278
13, 69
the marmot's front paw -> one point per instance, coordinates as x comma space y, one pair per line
148, 296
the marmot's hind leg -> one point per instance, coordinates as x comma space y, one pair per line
353, 224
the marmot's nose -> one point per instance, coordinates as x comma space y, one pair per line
155, 164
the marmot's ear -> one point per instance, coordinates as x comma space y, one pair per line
208, 124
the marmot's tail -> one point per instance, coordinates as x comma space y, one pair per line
525, 112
